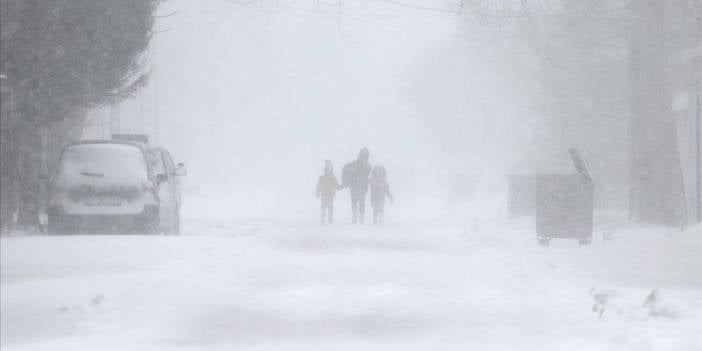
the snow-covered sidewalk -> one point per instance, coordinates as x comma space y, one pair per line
227, 286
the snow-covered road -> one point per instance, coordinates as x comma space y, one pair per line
226, 285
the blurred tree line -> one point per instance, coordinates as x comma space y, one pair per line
609, 72
58, 59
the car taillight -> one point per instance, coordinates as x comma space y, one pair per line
56, 188
150, 187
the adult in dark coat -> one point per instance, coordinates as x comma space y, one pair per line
355, 177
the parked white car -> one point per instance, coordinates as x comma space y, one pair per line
168, 176
114, 186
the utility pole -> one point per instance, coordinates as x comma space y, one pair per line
155, 113
698, 156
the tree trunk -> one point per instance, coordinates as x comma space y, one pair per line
655, 175
38, 148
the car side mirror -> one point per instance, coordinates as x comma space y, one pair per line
180, 171
161, 178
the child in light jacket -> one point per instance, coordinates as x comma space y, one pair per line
327, 185
379, 190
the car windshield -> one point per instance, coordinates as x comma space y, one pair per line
103, 164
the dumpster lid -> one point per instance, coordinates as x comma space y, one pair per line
581, 164
555, 163
544, 163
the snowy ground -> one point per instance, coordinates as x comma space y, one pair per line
283, 286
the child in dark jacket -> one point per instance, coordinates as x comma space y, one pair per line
326, 191
379, 189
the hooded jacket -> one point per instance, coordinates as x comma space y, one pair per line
355, 174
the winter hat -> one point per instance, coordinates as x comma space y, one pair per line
364, 154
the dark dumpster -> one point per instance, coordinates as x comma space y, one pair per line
522, 195
564, 204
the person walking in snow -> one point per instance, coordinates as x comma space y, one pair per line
326, 191
379, 190
355, 177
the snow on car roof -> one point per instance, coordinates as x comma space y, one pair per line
101, 141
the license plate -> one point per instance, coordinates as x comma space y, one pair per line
107, 201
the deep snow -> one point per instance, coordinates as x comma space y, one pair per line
280, 286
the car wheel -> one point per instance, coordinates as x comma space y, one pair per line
148, 226
174, 228
585, 241
56, 225
176, 223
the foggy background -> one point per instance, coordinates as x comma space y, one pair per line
254, 98
544, 156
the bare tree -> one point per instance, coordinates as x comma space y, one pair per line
607, 70
61, 58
